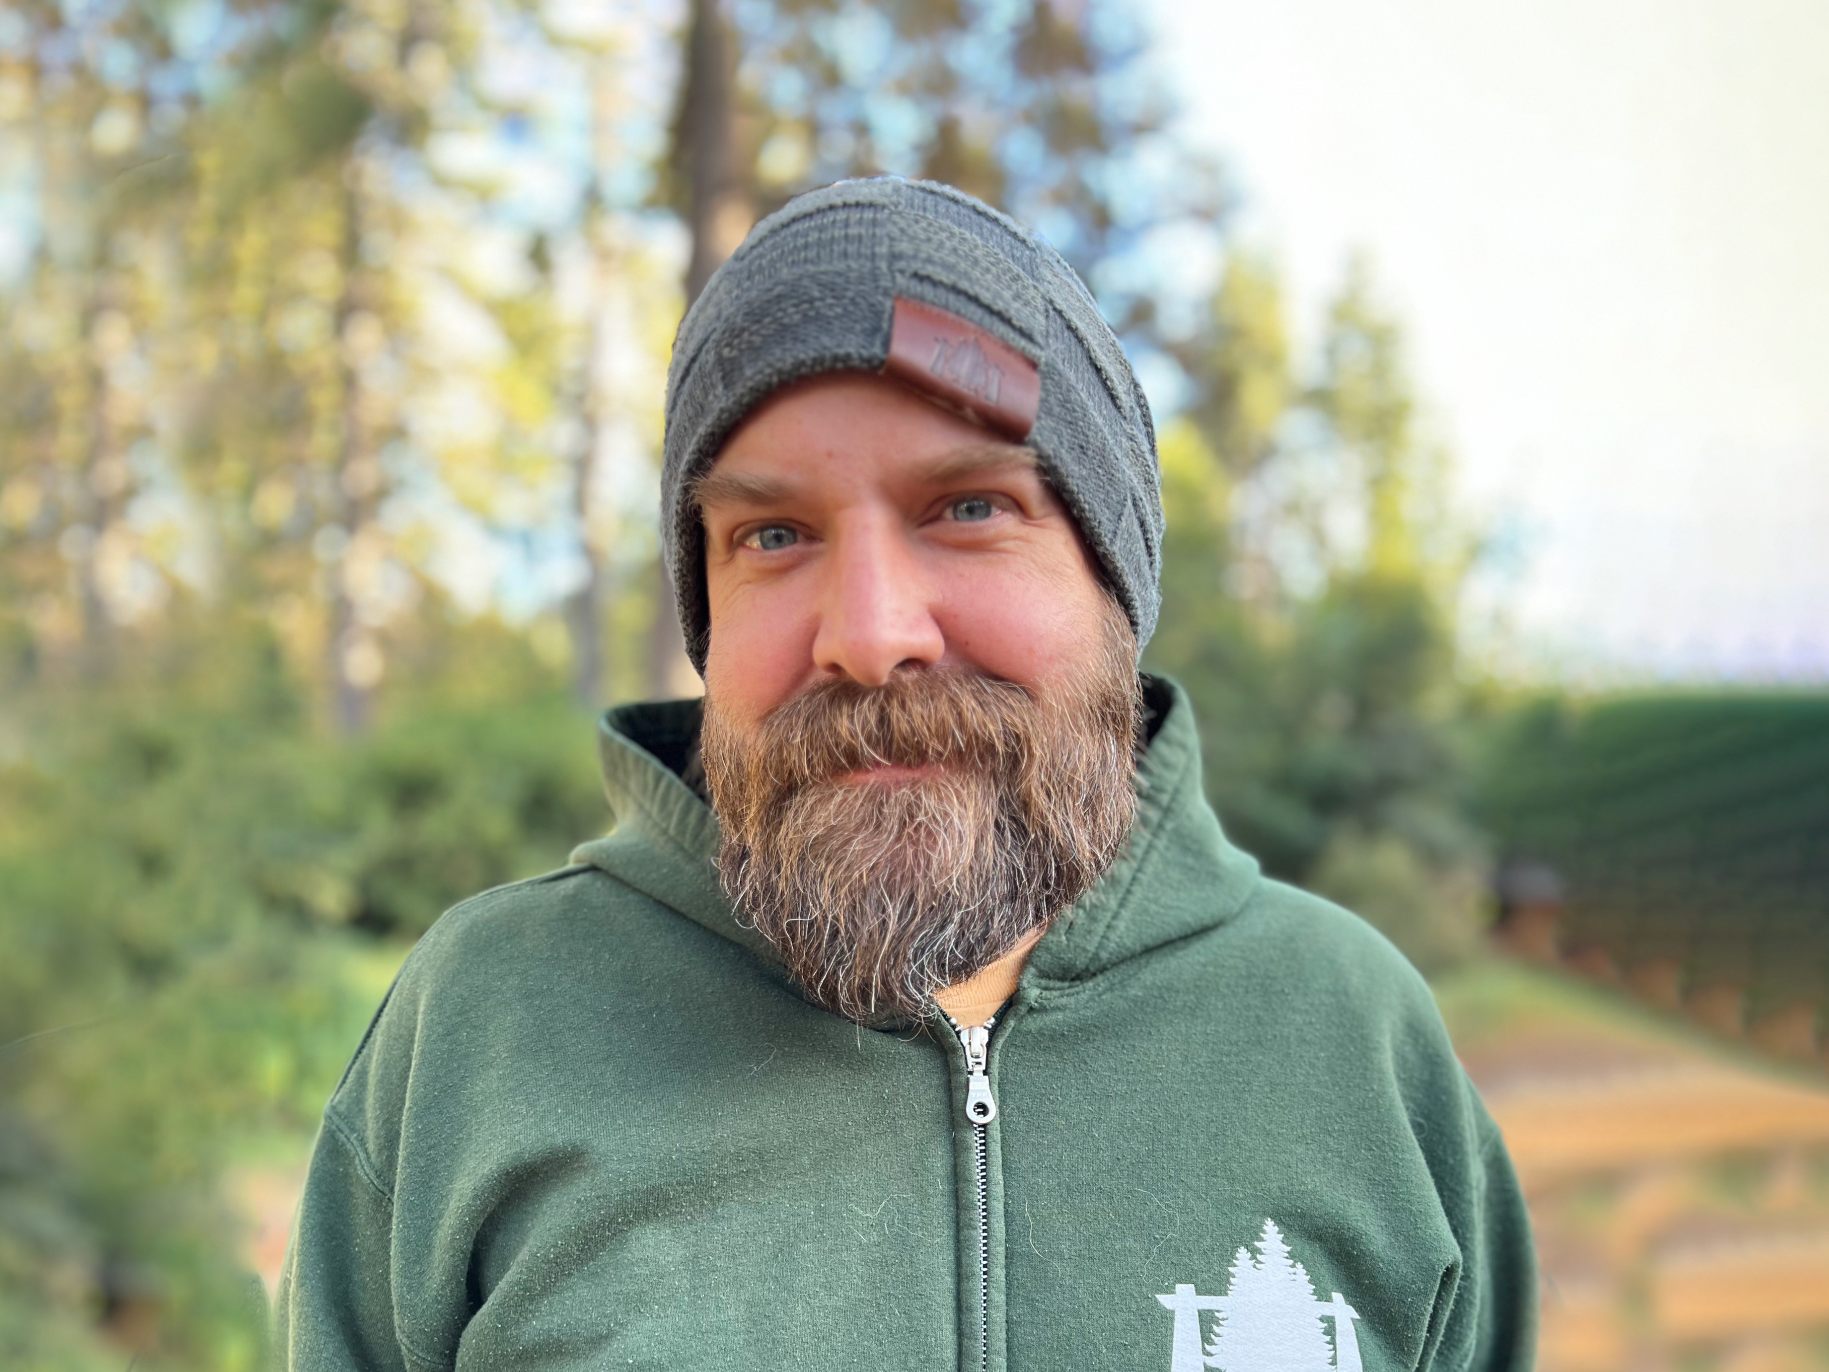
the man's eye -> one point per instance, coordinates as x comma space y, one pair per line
770, 538
972, 509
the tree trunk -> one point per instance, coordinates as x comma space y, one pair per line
584, 607
353, 650
719, 211
720, 208
105, 479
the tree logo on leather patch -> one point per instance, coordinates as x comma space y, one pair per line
957, 363
1269, 1320
962, 362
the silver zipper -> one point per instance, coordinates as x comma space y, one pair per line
980, 1105
980, 1110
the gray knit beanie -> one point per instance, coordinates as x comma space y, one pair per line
921, 282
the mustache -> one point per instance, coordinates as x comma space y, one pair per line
918, 718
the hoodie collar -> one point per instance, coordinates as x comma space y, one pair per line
1178, 874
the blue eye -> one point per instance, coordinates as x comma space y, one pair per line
771, 538
979, 509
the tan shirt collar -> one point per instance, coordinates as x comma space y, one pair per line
978, 997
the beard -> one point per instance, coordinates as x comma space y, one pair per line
876, 893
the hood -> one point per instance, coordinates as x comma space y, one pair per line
1177, 876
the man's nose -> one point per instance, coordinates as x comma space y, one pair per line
876, 609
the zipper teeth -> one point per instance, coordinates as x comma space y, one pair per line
982, 1147
981, 1158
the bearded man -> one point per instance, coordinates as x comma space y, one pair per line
915, 1012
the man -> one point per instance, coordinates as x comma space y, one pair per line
916, 1012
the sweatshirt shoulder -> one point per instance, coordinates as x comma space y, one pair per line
498, 954
506, 941
512, 919
574, 920
1334, 954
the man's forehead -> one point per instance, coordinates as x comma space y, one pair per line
742, 478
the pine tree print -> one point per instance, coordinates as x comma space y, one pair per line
1271, 1322
1238, 1278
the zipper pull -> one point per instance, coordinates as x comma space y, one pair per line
980, 1106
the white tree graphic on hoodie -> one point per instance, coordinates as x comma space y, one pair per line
1270, 1322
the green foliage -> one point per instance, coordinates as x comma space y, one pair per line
1241, 366
1422, 907
1682, 825
1332, 755
1321, 664
188, 866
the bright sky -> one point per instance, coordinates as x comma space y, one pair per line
1605, 227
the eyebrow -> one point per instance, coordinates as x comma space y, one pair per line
715, 488
976, 458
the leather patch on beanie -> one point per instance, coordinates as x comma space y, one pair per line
962, 366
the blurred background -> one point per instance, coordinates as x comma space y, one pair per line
1487, 350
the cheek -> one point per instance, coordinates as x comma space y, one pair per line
1024, 627
757, 655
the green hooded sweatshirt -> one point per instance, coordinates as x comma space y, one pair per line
594, 1125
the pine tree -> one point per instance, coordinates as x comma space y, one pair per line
1271, 1323
1238, 1286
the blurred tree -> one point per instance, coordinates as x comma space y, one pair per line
1242, 391
371, 74
276, 368
710, 153
390, 389
1243, 363
585, 608
1379, 755
1048, 110
187, 868
78, 91
710, 185
1310, 571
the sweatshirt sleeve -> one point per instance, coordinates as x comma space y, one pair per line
377, 1270
1492, 1323
334, 1307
